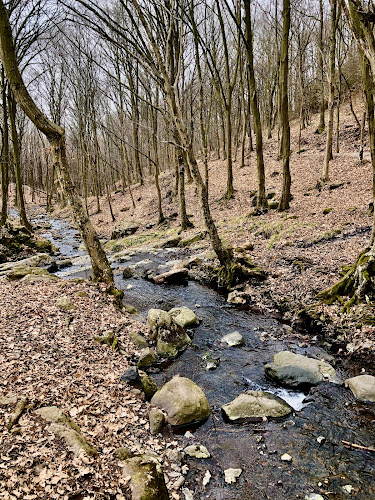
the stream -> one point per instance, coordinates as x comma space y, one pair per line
312, 435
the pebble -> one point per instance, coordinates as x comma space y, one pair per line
231, 475
286, 457
321, 439
313, 496
207, 478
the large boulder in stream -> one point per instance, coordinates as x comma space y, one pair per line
363, 387
146, 478
170, 337
295, 370
182, 400
253, 406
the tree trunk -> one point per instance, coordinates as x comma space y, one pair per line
284, 108
4, 154
322, 106
56, 137
261, 198
17, 163
331, 94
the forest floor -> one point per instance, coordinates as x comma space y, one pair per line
304, 249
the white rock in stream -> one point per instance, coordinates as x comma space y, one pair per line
286, 457
313, 496
197, 451
363, 387
233, 339
231, 475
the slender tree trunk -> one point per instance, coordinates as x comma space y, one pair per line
322, 106
4, 154
17, 163
331, 94
181, 191
261, 198
284, 108
55, 134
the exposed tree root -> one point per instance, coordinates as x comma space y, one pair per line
240, 269
357, 284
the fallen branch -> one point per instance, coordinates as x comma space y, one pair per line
358, 446
16, 415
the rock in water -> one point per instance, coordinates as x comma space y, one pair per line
146, 478
363, 387
147, 357
197, 451
295, 370
233, 339
170, 337
182, 400
173, 277
253, 406
65, 427
231, 475
184, 317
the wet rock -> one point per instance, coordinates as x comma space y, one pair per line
313, 496
65, 427
170, 337
63, 263
285, 457
129, 272
139, 339
211, 362
173, 277
43, 245
124, 229
363, 387
253, 406
39, 260
184, 317
156, 418
171, 242
295, 370
146, 478
131, 377
233, 339
231, 475
65, 304
149, 386
182, 400
147, 357
197, 451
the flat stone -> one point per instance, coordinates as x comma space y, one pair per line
313, 496
231, 475
295, 370
253, 406
38, 260
233, 339
34, 273
65, 427
173, 277
182, 400
146, 478
363, 387
65, 304
184, 317
197, 451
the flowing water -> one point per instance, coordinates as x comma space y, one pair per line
313, 435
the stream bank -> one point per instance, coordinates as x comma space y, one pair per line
313, 436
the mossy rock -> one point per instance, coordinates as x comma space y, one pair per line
147, 357
65, 304
107, 338
273, 205
44, 245
66, 428
139, 339
130, 309
19, 273
146, 478
327, 211
186, 242
149, 386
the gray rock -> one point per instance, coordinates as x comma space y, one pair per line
131, 377
184, 316
149, 386
253, 406
363, 387
65, 304
295, 370
233, 339
173, 277
156, 418
139, 339
61, 264
197, 451
231, 475
190, 240
39, 260
129, 272
182, 400
170, 337
67, 429
171, 242
147, 357
146, 478
30, 274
